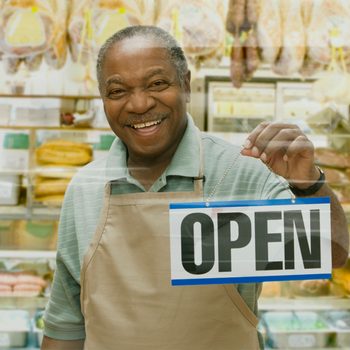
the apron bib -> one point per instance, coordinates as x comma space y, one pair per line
126, 295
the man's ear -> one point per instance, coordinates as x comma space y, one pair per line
187, 86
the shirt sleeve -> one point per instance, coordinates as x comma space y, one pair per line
63, 318
276, 187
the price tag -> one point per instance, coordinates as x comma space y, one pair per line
5, 190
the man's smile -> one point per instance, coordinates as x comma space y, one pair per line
143, 125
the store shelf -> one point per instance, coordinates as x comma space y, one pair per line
27, 254
60, 128
17, 212
317, 303
45, 213
23, 302
21, 212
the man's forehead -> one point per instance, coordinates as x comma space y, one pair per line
139, 43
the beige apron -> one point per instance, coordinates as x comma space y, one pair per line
126, 294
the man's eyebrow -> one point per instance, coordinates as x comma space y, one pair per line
154, 72
114, 80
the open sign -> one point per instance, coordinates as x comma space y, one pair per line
250, 241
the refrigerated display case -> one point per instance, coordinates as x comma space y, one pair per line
295, 104
238, 110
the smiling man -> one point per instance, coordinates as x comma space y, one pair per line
112, 283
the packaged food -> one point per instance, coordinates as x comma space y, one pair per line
14, 328
332, 158
63, 152
21, 284
9, 189
36, 235
309, 288
271, 289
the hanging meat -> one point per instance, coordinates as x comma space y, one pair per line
329, 25
33, 62
252, 59
56, 55
196, 25
92, 22
26, 27
252, 8
293, 39
235, 16
269, 30
310, 66
237, 65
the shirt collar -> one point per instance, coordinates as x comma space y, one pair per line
185, 162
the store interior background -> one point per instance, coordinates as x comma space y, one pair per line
60, 109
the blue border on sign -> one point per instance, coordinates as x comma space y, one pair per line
250, 203
252, 279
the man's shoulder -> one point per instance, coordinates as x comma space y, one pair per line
221, 151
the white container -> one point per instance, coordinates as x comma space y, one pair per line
340, 322
9, 189
300, 330
14, 328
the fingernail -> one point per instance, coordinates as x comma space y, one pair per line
285, 158
247, 144
263, 157
255, 152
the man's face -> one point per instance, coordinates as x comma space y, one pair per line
144, 102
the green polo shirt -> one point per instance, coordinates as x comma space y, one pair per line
228, 176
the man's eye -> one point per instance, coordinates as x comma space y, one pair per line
158, 85
116, 93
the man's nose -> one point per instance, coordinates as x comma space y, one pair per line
140, 102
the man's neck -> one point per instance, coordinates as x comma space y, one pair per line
145, 173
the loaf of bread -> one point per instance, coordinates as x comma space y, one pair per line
332, 158
63, 152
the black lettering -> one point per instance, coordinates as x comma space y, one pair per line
311, 254
187, 243
224, 236
262, 239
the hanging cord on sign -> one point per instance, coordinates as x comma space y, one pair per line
214, 190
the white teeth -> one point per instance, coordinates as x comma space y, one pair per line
146, 125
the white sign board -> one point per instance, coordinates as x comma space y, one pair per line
250, 241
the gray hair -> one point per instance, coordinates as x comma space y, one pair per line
160, 36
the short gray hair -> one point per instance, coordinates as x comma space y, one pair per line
165, 40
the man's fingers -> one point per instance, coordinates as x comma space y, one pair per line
250, 141
264, 133
301, 146
280, 144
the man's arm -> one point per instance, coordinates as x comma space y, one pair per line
54, 344
340, 235
286, 150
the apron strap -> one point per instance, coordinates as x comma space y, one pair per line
198, 181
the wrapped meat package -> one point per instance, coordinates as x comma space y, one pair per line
197, 26
330, 22
56, 55
92, 22
26, 27
269, 30
293, 39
